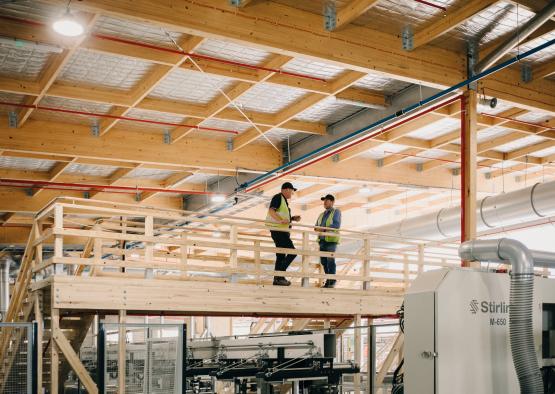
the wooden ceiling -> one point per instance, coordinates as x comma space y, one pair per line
287, 33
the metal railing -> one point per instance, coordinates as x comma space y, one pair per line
146, 358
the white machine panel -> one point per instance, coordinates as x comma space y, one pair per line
471, 329
420, 311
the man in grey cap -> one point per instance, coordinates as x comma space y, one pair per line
328, 238
279, 221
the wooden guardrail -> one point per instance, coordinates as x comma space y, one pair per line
130, 241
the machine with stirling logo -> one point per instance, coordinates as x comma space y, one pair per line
478, 331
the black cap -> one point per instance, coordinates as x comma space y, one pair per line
328, 197
288, 185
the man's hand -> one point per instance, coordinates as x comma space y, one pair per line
296, 218
284, 221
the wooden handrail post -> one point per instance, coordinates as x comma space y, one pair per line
233, 252
305, 281
257, 266
38, 248
184, 256
58, 238
97, 250
366, 264
149, 246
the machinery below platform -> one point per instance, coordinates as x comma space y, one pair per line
259, 363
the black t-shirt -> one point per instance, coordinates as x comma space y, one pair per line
276, 202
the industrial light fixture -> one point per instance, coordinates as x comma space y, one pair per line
68, 25
218, 198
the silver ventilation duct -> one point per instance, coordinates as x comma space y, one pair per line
494, 211
5, 261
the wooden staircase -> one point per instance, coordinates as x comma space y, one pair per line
19, 311
31, 303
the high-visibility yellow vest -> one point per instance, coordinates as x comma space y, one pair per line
329, 221
283, 212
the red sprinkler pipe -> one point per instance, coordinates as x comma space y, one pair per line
19, 186
70, 111
354, 143
463, 174
179, 52
110, 188
439, 7
517, 121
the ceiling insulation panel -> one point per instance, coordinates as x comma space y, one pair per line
100, 69
190, 86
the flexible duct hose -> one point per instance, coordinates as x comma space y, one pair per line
521, 303
521, 334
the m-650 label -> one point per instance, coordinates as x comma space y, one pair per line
500, 321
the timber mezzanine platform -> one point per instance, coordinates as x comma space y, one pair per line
85, 258
149, 260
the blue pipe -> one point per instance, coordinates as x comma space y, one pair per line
399, 113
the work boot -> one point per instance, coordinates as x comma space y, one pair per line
330, 284
281, 281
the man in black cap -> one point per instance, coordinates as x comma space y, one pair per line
279, 221
328, 239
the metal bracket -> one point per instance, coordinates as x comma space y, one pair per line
456, 171
29, 192
380, 162
229, 144
330, 16
488, 175
235, 3
285, 153
95, 130
86, 195
167, 137
526, 73
419, 167
138, 196
335, 158
12, 120
471, 61
408, 38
